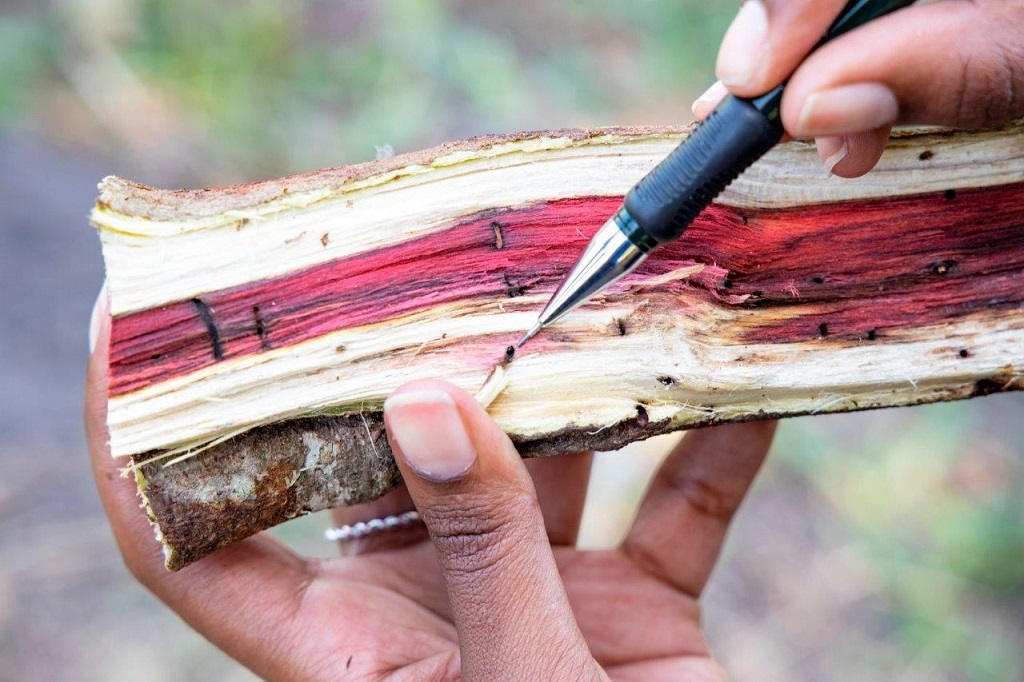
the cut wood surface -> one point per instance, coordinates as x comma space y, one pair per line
258, 329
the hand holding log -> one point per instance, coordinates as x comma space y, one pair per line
498, 590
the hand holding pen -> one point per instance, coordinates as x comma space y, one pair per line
741, 129
954, 64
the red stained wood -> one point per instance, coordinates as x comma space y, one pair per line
862, 269
853, 270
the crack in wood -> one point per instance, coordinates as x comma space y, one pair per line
206, 315
261, 328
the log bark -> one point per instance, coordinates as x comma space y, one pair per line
258, 329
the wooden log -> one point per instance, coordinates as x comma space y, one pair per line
258, 329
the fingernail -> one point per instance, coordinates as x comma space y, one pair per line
100, 309
711, 96
428, 432
745, 46
848, 109
834, 150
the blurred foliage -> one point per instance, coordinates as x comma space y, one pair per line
269, 87
939, 509
24, 58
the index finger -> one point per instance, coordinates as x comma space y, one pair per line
683, 519
243, 598
768, 39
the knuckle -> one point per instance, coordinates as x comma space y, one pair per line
135, 561
134, 568
991, 81
705, 497
474, 532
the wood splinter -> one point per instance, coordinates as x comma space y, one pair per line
258, 359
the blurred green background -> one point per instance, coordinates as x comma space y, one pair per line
887, 545
238, 90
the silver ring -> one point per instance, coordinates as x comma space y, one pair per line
361, 529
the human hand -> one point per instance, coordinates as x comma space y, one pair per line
956, 64
499, 593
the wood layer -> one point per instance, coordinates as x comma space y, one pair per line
284, 313
754, 258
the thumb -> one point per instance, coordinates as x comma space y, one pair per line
469, 484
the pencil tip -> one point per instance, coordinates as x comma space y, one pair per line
529, 335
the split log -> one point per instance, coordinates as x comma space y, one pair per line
258, 329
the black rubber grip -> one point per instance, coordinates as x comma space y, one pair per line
668, 199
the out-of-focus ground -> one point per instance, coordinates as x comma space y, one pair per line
879, 546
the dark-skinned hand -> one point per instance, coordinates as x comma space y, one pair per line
946, 63
496, 591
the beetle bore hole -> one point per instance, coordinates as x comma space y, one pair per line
642, 418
